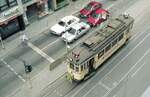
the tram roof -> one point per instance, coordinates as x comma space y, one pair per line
93, 44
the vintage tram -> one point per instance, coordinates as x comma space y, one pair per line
97, 48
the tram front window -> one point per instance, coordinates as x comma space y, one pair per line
77, 69
81, 67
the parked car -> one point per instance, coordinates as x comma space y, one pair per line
75, 31
89, 8
64, 24
97, 17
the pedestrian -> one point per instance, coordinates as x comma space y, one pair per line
24, 38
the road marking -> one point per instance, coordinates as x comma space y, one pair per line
115, 65
50, 44
136, 36
105, 86
114, 82
36, 49
128, 54
138, 70
89, 90
128, 71
12, 69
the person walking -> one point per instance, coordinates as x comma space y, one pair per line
24, 38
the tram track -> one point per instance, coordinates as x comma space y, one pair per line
54, 88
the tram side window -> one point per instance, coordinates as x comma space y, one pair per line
81, 67
131, 25
71, 66
101, 53
120, 37
107, 47
85, 65
114, 42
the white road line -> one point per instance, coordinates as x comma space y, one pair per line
128, 54
100, 83
105, 86
114, 66
138, 70
50, 44
12, 69
39, 51
89, 90
136, 36
129, 71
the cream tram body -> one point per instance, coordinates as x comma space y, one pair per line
90, 54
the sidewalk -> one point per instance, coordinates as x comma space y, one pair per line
45, 77
42, 25
37, 84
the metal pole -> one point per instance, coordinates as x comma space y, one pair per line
27, 74
2, 42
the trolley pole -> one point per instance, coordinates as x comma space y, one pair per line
2, 42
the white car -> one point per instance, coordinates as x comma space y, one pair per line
75, 31
64, 24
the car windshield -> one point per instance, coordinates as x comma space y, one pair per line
94, 15
61, 23
88, 7
70, 22
72, 31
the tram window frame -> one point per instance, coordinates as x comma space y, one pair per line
85, 66
82, 67
114, 42
120, 37
108, 47
101, 53
77, 68
72, 66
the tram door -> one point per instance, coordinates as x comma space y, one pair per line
91, 63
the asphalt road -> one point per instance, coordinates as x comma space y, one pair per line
113, 79
55, 47
12, 73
